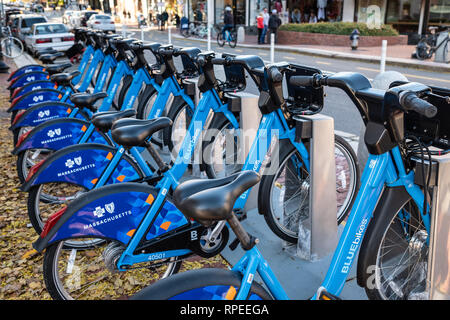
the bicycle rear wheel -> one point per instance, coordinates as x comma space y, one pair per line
12, 47
202, 284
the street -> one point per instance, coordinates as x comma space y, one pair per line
337, 104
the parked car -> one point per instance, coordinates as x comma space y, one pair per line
44, 36
85, 15
101, 22
23, 25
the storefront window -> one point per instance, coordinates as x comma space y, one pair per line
197, 11
366, 11
256, 7
220, 6
403, 11
439, 11
311, 11
238, 7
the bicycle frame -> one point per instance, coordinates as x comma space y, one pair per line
385, 170
210, 100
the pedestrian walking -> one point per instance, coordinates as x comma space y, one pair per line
260, 26
274, 23
266, 17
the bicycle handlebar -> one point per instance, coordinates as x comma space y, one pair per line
410, 101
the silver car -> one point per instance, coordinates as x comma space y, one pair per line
101, 22
49, 36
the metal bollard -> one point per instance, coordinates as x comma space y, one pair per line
272, 47
383, 56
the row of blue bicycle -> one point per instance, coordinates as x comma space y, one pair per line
116, 221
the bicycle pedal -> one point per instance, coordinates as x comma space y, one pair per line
325, 295
241, 215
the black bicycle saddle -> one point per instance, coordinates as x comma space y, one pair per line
87, 100
104, 120
57, 68
64, 79
210, 200
49, 58
137, 134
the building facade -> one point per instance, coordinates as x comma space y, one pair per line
407, 16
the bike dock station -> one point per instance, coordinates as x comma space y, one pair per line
438, 278
318, 228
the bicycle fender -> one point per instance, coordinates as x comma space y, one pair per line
83, 165
34, 97
59, 133
392, 199
32, 86
46, 111
25, 69
27, 78
111, 212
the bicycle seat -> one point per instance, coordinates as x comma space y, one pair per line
87, 100
57, 68
210, 200
137, 134
153, 47
251, 61
49, 58
104, 120
63, 79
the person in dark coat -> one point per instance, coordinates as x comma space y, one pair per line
274, 23
164, 18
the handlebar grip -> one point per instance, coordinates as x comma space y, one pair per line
219, 61
275, 75
165, 52
302, 81
409, 101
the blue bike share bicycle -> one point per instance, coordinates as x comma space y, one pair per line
389, 221
60, 177
152, 232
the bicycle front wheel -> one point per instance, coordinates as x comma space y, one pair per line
220, 39
12, 47
283, 196
202, 284
232, 39
91, 273
393, 262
